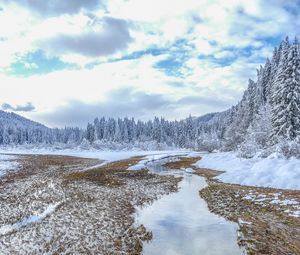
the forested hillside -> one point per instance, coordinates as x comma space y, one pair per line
269, 112
267, 119
15, 129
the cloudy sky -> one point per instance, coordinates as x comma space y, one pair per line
65, 62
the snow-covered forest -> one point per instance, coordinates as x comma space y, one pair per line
266, 120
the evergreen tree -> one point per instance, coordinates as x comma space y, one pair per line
286, 97
90, 133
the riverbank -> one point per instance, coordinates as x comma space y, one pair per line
181, 222
268, 218
50, 205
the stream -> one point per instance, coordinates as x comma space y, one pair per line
181, 222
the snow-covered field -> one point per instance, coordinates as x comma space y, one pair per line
102, 155
7, 163
273, 171
44, 212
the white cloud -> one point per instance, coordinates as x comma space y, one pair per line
54, 91
228, 23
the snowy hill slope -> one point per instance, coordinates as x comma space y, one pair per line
16, 130
14, 120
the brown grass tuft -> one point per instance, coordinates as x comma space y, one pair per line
109, 174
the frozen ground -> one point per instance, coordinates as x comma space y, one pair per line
289, 205
44, 212
274, 171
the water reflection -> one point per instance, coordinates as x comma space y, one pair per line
182, 224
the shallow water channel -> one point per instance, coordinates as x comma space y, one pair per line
182, 224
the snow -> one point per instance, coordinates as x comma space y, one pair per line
140, 166
32, 222
284, 202
189, 170
243, 222
272, 199
295, 214
108, 156
273, 171
6, 229
7, 164
277, 199
156, 156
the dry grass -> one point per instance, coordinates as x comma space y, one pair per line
110, 174
188, 162
96, 211
182, 162
271, 229
40, 164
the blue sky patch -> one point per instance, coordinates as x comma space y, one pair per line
178, 56
170, 66
138, 54
38, 63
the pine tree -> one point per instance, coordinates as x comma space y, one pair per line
286, 98
266, 81
118, 134
90, 133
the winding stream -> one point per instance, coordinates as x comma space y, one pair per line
182, 224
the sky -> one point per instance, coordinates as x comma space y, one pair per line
63, 63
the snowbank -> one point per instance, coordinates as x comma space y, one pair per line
274, 171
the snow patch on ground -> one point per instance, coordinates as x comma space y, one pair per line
6, 229
295, 214
189, 170
155, 157
243, 222
7, 164
277, 199
273, 171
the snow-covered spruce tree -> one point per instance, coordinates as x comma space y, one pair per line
266, 82
286, 95
261, 127
118, 135
210, 142
90, 133
258, 133
242, 117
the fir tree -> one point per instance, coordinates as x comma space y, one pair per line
286, 98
